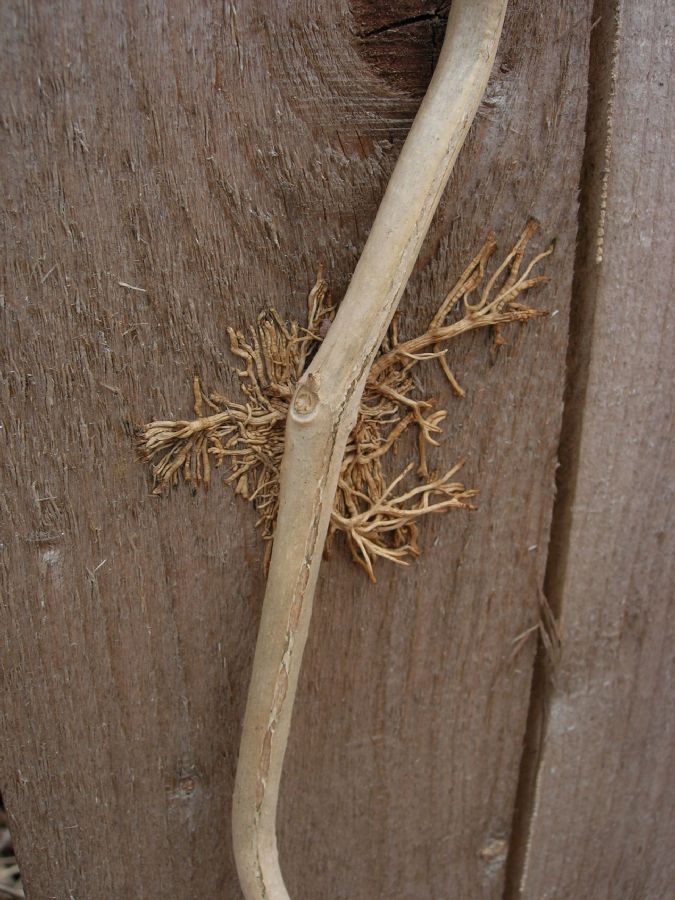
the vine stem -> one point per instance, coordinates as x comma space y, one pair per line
321, 416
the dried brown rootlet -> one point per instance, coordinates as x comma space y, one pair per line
378, 518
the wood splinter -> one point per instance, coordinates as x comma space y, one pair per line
321, 416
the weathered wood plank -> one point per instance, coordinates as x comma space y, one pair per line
602, 823
211, 155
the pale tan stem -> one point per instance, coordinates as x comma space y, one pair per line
322, 415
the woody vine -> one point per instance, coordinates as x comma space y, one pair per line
324, 403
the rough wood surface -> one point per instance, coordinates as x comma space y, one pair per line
602, 820
209, 155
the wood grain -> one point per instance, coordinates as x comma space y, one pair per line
211, 155
601, 821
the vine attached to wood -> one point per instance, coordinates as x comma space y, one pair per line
377, 515
323, 404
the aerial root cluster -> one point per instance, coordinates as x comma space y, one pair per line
378, 517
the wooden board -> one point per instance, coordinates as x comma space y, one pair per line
169, 171
601, 820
